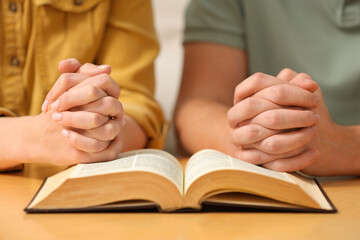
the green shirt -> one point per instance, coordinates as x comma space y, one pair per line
318, 37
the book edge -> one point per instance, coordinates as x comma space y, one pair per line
334, 209
26, 209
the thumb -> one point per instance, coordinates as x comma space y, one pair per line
304, 81
70, 65
93, 70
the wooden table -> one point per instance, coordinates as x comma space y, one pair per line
17, 189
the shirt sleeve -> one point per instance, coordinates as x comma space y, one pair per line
4, 112
217, 21
130, 46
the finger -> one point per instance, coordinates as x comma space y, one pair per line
294, 163
106, 132
70, 65
257, 157
287, 74
289, 95
280, 119
110, 153
83, 143
253, 84
247, 109
304, 81
93, 70
77, 97
65, 82
251, 134
81, 120
107, 106
285, 142
105, 83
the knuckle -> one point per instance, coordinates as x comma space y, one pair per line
110, 131
87, 65
237, 89
231, 117
118, 90
95, 146
51, 95
271, 146
255, 158
96, 119
279, 167
304, 76
249, 104
120, 107
257, 77
287, 71
64, 100
65, 80
251, 132
92, 91
76, 140
103, 78
308, 118
277, 92
108, 103
302, 139
272, 119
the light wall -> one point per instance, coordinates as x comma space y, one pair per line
169, 23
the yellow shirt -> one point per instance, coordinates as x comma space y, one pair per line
36, 34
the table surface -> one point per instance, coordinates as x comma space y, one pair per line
18, 188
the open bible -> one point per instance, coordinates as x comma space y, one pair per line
154, 178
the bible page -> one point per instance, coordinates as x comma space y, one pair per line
207, 160
148, 160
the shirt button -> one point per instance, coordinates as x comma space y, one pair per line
14, 61
78, 2
13, 7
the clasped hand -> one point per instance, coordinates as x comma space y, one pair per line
275, 120
84, 101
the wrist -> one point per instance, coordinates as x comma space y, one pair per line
28, 137
351, 150
132, 135
13, 144
343, 150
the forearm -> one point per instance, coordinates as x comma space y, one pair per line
339, 148
352, 149
13, 141
342, 150
202, 123
132, 135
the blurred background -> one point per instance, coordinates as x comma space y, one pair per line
169, 24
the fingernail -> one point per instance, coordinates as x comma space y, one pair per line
56, 116
313, 153
55, 105
316, 100
68, 61
123, 121
65, 132
316, 117
45, 105
313, 129
103, 66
